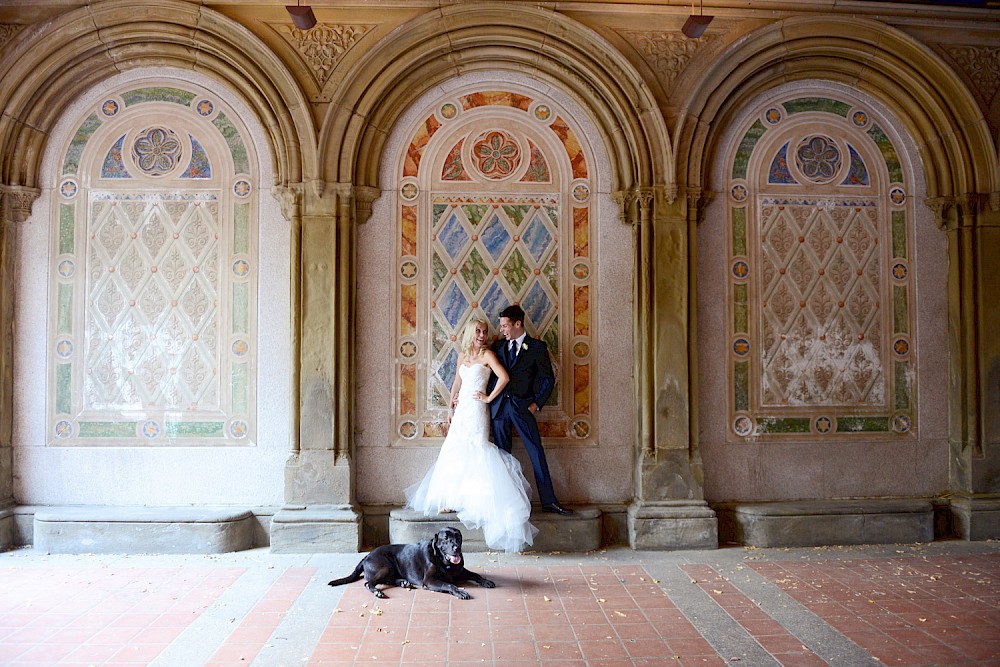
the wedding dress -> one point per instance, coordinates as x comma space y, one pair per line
474, 477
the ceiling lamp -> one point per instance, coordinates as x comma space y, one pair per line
695, 25
303, 17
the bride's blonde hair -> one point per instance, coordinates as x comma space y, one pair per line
469, 335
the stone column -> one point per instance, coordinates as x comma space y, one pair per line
973, 229
15, 207
669, 510
320, 514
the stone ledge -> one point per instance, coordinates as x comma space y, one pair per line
8, 529
316, 529
810, 523
576, 533
173, 530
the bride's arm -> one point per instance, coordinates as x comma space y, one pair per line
499, 371
457, 384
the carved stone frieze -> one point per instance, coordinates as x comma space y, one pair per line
667, 53
981, 64
7, 33
323, 46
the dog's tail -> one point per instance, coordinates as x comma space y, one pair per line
352, 577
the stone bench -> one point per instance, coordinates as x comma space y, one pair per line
169, 530
809, 523
576, 533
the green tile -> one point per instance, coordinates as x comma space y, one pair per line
440, 271
902, 386
899, 234
551, 338
157, 94
67, 229
108, 429
241, 229
741, 385
740, 309
516, 271
241, 162
817, 104
64, 388
888, 153
241, 308
900, 310
439, 338
862, 424
439, 209
475, 212
784, 424
740, 231
195, 429
516, 212
474, 271
553, 214
241, 389
750, 140
72, 162
64, 310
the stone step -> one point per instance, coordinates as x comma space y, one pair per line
809, 523
167, 530
578, 532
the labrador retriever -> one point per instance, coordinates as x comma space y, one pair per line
435, 564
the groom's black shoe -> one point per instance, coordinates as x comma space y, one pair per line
556, 508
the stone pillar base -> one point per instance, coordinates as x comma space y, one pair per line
316, 529
8, 529
977, 518
672, 525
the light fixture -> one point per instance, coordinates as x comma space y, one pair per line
302, 17
695, 25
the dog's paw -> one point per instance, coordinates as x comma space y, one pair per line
379, 594
459, 593
486, 583
403, 583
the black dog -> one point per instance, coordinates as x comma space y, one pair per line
436, 564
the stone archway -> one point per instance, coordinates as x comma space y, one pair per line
935, 110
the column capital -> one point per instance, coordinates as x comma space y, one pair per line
16, 202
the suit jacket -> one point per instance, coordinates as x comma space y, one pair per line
531, 376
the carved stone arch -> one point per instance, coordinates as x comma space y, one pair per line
916, 85
47, 67
458, 39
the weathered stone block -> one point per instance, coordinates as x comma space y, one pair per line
976, 518
176, 530
576, 533
320, 529
808, 523
672, 525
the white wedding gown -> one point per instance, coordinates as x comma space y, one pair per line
475, 478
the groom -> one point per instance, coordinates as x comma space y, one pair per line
531, 380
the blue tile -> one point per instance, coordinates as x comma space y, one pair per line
495, 237
537, 305
493, 302
537, 238
453, 304
453, 237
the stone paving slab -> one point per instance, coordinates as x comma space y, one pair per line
918, 604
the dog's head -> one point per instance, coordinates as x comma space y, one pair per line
448, 541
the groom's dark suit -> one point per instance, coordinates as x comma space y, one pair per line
531, 381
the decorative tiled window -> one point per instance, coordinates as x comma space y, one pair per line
821, 322
152, 326
494, 208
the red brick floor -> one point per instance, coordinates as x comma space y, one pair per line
615, 608
904, 611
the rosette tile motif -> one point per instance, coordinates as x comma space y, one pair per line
497, 155
156, 151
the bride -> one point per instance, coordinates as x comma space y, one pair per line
472, 476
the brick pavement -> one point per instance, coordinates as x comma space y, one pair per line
933, 604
